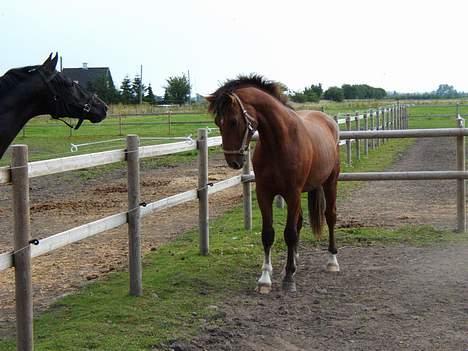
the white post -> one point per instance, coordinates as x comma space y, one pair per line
461, 205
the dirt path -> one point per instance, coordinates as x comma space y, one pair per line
394, 204
384, 298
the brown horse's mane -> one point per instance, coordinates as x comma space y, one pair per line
220, 101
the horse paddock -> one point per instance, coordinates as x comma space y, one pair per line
386, 297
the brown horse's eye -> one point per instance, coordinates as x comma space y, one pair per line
232, 123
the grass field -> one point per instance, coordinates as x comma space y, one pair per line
182, 288
49, 138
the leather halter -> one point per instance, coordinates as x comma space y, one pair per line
250, 128
57, 99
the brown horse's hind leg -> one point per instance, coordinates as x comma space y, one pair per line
291, 237
329, 188
265, 202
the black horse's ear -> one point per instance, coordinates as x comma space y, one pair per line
50, 64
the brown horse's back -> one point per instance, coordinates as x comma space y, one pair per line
323, 133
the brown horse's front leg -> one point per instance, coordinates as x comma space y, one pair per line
265, 202
291, 237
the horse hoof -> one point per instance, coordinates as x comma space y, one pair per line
289, 286
332, 268
263, 289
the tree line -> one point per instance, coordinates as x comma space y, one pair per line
444, 91
176, 91
347, 91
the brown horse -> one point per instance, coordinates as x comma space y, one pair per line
296, 152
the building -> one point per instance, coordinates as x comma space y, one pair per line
89, 77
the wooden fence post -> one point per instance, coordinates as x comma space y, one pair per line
169, 122
461, 205
358, 141
247, 190
348, 142
372, 141
22, 256
203, 210
383, 124
377, 124
366, 141
133, 215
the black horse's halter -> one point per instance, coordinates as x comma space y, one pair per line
250, 128
59, 100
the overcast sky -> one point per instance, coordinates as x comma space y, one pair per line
403, 45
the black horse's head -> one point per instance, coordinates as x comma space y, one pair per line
57, 94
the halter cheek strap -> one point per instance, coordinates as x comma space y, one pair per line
56, 100
250, 128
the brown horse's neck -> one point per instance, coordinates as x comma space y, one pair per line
275, 120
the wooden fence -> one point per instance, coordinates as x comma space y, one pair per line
21, 171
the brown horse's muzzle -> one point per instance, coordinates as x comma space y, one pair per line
235, 161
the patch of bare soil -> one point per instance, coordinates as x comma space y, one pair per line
384, 298
61, 202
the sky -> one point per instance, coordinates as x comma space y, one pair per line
399, 45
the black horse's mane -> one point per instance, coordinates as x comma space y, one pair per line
13, 77
219, 104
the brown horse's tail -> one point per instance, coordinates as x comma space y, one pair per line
316, 204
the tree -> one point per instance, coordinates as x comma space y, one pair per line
177, 90
446, 91
126, 93
149, 97
137, 89
309, 94
334, 94
313, 93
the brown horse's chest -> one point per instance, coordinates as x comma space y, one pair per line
281, 173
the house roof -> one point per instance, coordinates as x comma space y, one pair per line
86, 75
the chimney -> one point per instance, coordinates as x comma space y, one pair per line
85, 65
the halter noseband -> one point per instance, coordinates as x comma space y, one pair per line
58, 99
250, 128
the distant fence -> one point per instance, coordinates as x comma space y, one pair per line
21, 171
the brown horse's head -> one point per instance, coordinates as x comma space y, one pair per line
236, 119
236, 125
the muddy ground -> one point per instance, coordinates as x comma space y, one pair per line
385, 298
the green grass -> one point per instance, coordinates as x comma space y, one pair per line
49, 138
182, 288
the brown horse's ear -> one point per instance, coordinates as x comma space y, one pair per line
210, 98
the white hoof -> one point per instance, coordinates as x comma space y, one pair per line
332, 264
263, 289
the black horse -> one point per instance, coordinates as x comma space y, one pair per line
40, 90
